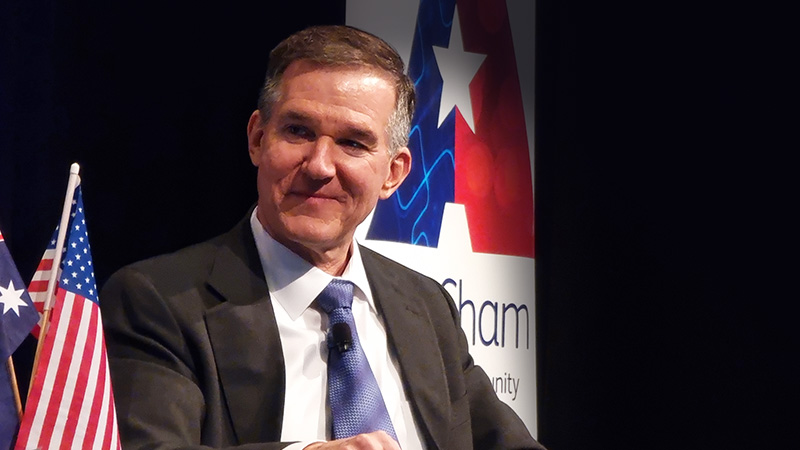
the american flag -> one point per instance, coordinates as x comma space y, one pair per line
38, 285
71, 404
17, 317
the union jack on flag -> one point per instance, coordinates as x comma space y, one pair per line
71, 404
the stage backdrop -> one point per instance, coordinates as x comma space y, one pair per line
465, 214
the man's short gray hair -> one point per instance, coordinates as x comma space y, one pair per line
339, 45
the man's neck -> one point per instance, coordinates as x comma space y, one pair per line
331, 260
330, 257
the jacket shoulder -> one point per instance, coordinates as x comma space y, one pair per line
192, 265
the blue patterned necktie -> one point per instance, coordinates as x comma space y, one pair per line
353, 394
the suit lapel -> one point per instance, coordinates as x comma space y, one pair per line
245, 340
407, 325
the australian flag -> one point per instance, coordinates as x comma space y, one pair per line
17, 318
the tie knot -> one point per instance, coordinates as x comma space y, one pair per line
337, 294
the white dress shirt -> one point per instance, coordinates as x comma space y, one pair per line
293, 285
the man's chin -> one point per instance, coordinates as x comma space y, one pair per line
312, 234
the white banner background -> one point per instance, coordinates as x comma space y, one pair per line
494, 292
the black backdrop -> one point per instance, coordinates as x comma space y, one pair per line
644, 206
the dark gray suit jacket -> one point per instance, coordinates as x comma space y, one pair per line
196, 359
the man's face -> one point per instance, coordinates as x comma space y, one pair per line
323, 157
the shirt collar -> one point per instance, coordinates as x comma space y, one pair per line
294, 282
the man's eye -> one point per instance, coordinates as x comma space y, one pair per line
297, 130
352, 144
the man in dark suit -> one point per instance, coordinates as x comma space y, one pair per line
223, 344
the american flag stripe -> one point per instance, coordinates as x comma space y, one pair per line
87, 391
96, 416
43, 422
47, 260
38, 399
104, 397
82, 376
110, 437
58, 408
97, 393
38, 285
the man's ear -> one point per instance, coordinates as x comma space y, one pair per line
255, 134
399, 167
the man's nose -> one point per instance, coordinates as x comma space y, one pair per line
319, 163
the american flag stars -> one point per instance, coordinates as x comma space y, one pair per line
78, 273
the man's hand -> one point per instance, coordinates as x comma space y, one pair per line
377, 440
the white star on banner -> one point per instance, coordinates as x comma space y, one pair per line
11, 298
457, 68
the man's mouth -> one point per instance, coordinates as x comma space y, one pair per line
314, 196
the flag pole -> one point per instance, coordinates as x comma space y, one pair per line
74, 179
14, 386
